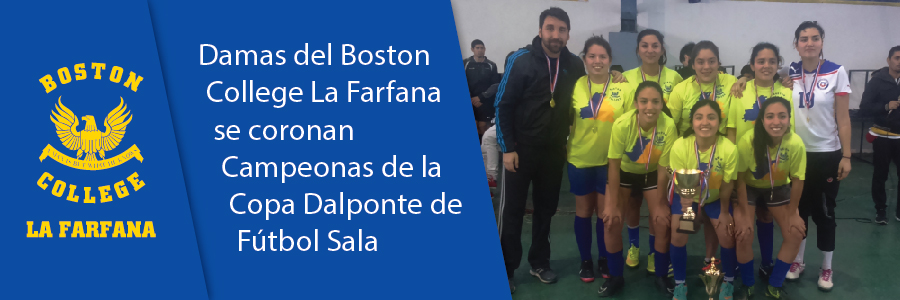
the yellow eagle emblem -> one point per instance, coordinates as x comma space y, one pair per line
90, 140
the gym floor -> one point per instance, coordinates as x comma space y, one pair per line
865, 254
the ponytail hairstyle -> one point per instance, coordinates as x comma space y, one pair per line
659, 36
653, 85
706, 102
761, 138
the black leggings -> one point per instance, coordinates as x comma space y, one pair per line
819, 192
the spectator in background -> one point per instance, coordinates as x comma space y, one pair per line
482, 75
880, 98
686, 71
746, 72
490, 150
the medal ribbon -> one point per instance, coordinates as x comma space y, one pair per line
591, 93
704, 184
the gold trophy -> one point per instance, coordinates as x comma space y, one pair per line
712, 278
687, 184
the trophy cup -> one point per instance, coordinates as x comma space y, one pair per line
687, 184
712, 279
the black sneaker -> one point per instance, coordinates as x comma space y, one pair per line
603, 267
881, 217
776, 293
765, 272
587, 271
665, 285
612, 286
546, 275
512, 285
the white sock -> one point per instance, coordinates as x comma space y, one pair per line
799, 258
826, 261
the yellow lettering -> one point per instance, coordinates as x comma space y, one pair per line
135, 182
63, 227
31, 233
87, 196
97, 68
41, 183
80, 73
64, 75
45, 229
121, 189
48, 83
72, 197
132, 82
134, 230
104, 194
104, 227
92, 229
115, 75
148, 230
119, 230
78, 230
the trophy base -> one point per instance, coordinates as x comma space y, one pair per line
688, 226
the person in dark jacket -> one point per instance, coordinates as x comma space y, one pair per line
686, 70
880, 98
482, 76
533, 104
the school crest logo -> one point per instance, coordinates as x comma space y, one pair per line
822, 84
90, 141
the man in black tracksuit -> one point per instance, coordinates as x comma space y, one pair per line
482, 75
880, 99
532, 120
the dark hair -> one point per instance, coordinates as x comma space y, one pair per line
761, 138
599, 41
659, 36
706, 102
807, 25
760, 47
477, 42
555, 12
655, 86
686, 50
893, 49
746, 70
703, 45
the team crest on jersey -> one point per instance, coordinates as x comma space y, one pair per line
90, 131
668, 87
614, 94
822, 84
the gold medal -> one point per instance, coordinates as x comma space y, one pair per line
552, 103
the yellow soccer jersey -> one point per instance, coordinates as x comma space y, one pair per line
724, 166
670, 78
791, 160
744, 110
635, 151
594, 113
688, 92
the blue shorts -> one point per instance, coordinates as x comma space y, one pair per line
711, 209
583, 181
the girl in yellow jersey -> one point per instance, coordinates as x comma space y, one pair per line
703, 148
772, 167
651, 50
765, 61
640, 139
596, 103
707, 84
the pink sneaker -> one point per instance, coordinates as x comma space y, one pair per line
796, 270
825, 283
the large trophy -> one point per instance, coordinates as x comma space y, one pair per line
687, 184
712, 278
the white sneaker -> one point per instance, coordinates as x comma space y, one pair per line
825, 283
796, 270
